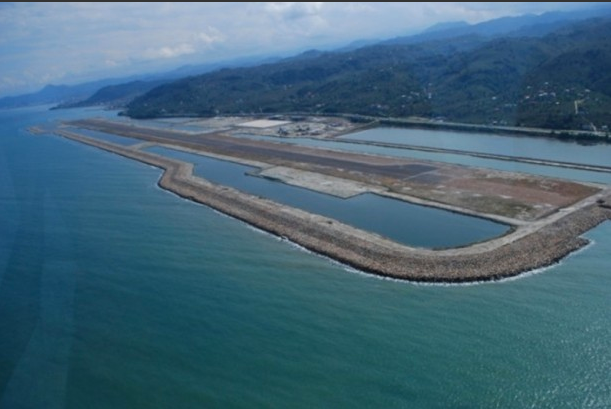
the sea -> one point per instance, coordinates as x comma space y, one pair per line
117, 294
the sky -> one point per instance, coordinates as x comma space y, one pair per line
69, 43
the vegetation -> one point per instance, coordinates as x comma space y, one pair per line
558, 81
116, 95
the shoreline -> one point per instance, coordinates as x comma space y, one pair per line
495, 259
367, 121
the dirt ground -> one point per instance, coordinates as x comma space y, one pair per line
513, 195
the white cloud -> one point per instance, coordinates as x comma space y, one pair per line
210, 36
70, 42
295, 10
169, 51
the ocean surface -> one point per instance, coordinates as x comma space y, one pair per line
117, 294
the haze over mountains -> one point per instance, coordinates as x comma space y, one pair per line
77, 95
551, 70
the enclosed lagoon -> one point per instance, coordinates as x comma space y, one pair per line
406, 223
551, 149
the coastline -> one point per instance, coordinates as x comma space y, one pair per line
426, 123
369, 121
504, 257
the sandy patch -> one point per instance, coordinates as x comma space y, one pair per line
263, 123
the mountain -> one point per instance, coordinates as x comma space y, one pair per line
571, 89
326, 82
516, 26
190, 70
449, 25
116, 91
506, 80
115, 96
57, 93
430, 74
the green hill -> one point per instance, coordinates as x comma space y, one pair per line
524, 81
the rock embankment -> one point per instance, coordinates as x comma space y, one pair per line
367, 251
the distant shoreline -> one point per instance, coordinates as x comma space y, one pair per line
426, 123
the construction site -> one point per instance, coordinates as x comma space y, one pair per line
547, 216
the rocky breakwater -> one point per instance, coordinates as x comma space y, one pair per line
370, 252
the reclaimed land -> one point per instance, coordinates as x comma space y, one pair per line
507, 197
525, 249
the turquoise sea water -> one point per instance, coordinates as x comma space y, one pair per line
117, 294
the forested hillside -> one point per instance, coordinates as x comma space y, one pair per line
561, 81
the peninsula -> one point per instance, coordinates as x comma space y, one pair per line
547, 215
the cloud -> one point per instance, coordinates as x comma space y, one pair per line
198, 42
71, 42
295, 10
210, 36
293, 22
169, 51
